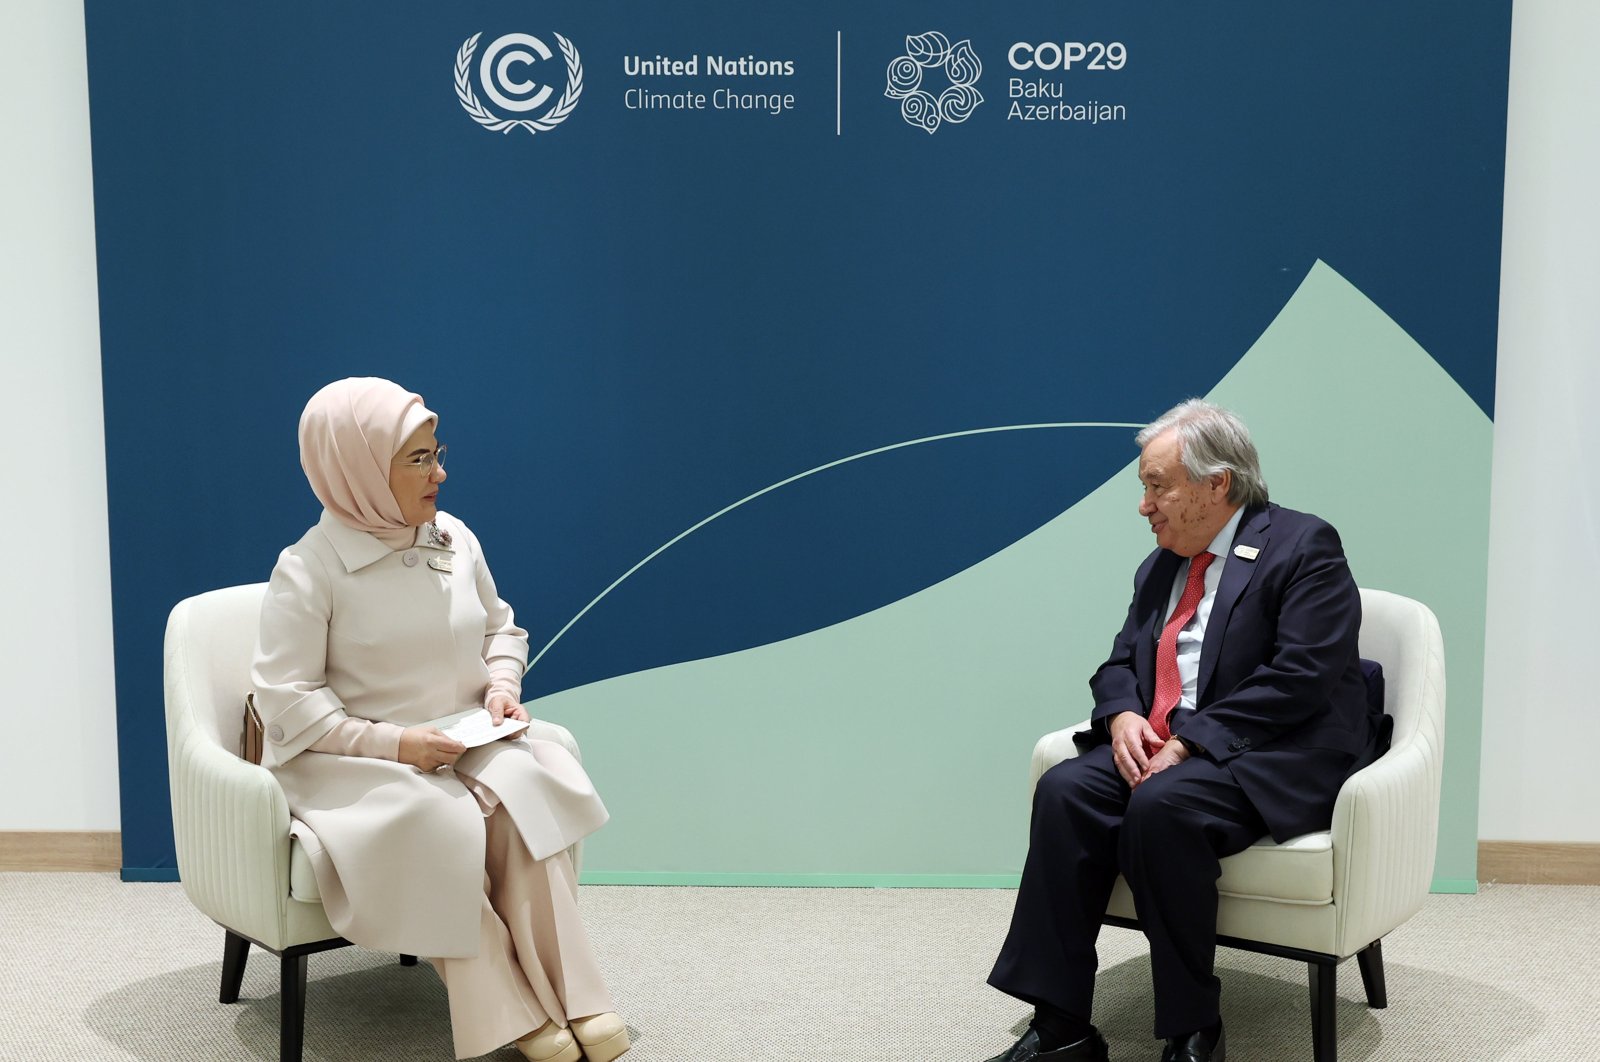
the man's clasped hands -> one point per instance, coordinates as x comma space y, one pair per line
1139, 751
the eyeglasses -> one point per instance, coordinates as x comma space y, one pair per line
426, 463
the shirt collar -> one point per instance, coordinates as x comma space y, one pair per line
1219, 545
356, 549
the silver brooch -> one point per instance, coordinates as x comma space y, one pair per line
438, 537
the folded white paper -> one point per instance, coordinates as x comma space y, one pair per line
475, 727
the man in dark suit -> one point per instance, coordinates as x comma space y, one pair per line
1232, 706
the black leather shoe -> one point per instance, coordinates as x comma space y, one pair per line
1091, 1048
1197, 1047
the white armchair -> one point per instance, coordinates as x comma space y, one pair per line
229, 817
1323, 897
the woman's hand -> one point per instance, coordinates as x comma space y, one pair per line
427, 749
503, 706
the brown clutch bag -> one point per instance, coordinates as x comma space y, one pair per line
251, 737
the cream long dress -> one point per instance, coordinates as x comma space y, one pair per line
424, 863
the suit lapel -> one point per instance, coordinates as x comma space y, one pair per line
1236, 575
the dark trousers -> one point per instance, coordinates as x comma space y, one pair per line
1167, 837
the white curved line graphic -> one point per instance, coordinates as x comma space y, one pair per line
799, 476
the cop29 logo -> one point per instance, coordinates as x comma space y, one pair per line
514, 73
926, 53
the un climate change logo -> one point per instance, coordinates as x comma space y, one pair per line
496, 72
962, 68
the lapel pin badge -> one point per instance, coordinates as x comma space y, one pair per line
1249, 553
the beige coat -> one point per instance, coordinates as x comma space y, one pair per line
350, 627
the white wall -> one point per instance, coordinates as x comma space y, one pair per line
59, 760
1539, 780
58, 763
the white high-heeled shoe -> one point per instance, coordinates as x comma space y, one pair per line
603, 1036
550, 1043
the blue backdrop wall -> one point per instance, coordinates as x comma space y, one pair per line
673, 286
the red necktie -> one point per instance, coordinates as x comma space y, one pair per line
1169, 684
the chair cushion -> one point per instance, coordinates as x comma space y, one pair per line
302, 879
1300, 870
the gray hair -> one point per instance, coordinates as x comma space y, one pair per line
1212, 440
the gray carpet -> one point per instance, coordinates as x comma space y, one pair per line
94, 969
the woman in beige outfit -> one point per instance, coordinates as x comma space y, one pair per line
381, 618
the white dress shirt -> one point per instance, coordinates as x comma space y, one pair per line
1193, 634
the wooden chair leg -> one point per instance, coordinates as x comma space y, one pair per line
292, 1008
1324, 1018
1370, 959
235, 953
411, 960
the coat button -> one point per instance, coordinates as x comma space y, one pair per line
410, 558
275, 732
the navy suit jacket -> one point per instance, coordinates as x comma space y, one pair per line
1280, 699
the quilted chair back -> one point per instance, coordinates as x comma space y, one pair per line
1399, 796
210, 641
1403, 635
230, 820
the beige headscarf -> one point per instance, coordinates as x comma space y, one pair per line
349, 432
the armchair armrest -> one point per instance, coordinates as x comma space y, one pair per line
231, 824
1052, 749
1385, 826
